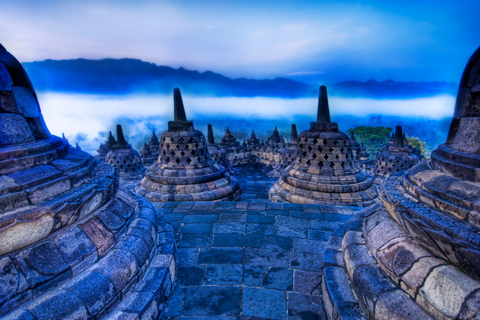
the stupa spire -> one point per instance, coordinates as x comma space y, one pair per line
178, 108
120, 138
210, 139
294, 137
323, 113
398, 137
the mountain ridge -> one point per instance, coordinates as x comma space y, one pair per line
131, 76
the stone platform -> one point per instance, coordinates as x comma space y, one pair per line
250, 260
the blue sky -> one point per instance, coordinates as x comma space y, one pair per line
310, 41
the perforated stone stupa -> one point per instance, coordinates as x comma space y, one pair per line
218, 155
253, 141
416, 255
324, 171
150, 151
73, 244
397, 158
184, 170
229, 142
104, 148
123, 157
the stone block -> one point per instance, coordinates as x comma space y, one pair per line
264, 303
73, 245
268, 242
307, 282
267, 258
301, 306
212, 301
370, 283
95, 230
94, 289
120, 266
398, 305
59, 304
136, 246
220, 255
41, 262
224, 274
14, 129
307, 262
26, 102
414, 278
446, 288
229, 240
12, 281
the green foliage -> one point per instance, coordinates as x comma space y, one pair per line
374, 138
417, 143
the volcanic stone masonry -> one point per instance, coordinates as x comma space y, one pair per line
73, 244
124, 158
150, 151
397, 158
184, 170
218, 155
288, 154
416, 254
324, 170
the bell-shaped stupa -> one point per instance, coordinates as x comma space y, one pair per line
184, 170
73, 243
397, 158
150, 151
324, 171
125, 158
229, 142
218, 155
416, 254
253, 141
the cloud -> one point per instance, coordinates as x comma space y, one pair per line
257, 39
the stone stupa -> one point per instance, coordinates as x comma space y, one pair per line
397, 158
324, 171
228, 141
73, 243
184, 170
275, 140
253, 141
150, 151
218, 155
123, 157
287, 154
416, 255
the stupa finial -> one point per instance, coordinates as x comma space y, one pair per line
323, 113
294, 137
398, 137
120, 138
178, 108
210, 139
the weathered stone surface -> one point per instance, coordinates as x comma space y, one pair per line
14, 129
446, 289
397, 305
26, 102
264, 303
209, 301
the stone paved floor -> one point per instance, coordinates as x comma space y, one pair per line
250, 260
254, 182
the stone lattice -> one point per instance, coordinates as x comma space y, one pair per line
397, 158
150, 151
184, 170
418, 250
125, 159
229, 142
73, 244
324, 171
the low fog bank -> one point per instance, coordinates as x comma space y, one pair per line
86, 119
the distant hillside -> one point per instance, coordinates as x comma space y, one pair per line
124, 76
